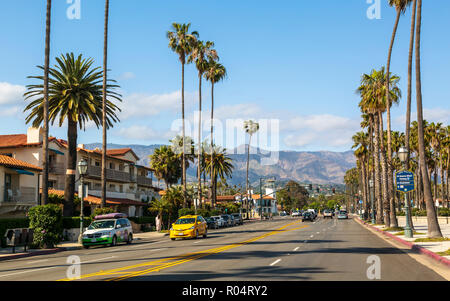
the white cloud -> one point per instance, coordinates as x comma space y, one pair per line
430, 115
10, 94
127, 76
142, 132
144, 105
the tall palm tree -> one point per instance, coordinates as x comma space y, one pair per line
360, 142
105, 70
167, 165
400, 6
181, 42
214, 74
433, 225
202, 51
250, 127
44, 200
75, 95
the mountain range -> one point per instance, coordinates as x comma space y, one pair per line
320, 167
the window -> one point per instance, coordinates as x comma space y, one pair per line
121, 188
97, 163
111, 165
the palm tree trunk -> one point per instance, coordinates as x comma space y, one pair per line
433, 226
105, 61
213, 199
69, 189
199, 173
408, 100
183, 156
44, 200
390, 192
246, 178
376, 153
385, 187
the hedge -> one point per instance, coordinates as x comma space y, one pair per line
143, 220
11, 223
74, 222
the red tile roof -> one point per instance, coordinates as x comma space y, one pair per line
20, 140
14, 163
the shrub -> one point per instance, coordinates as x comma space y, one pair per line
444, 212
186, 211
46, 221
101, 211
143, 220
11, 223
74, 222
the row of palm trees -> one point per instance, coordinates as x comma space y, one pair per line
379, 91
190, 49
73, 91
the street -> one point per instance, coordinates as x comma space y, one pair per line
277, 250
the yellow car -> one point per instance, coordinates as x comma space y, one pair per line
189, 226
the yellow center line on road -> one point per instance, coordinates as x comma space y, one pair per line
163, 263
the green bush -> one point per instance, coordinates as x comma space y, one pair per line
143, 220
101, 211
74, 222
11, 223
46, 221
444, 212
186, 211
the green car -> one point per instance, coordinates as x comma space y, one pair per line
108, 229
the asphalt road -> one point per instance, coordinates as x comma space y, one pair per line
277, 250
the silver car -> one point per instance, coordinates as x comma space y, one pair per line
220, 221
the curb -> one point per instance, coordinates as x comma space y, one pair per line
411, 245
43, 252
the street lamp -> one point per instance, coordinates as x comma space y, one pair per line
403, 156
82, 169
371, 201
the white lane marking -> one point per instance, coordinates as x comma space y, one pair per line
197, 242
29, 271
36, 261
296, 248
317, 232
99, 259
275, 262
312, 236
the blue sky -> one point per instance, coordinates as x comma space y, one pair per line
298, 62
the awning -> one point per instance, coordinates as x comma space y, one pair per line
23, 172
56, 151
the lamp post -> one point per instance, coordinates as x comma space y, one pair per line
82, 169
403, 156
371, 201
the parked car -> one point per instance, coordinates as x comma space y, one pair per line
308, 216
342, 214
212, 223
283, 213
327, 213
108, 229
238, 218
295, 214
313, 211
233, 220
227, 219
189, 226
220, 221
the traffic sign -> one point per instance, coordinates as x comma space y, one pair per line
360, 201
405, 181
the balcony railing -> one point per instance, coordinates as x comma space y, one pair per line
144, 181
57, 168
21, 195
112, 175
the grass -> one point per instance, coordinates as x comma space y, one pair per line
432, 239
445, 253
415, 233
393, 229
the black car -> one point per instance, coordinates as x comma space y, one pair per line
238, 218
227, 219
211, 223
307, 216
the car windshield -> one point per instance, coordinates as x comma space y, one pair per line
342, 212
184, 221
225, 216
101, 225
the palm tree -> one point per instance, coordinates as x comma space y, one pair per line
167, 165
159, 206
181, 42
215, 72
360, 142
201, 51
400, 6
219, 166
433, 225
75, 95
46, 104
173, 200
105, 70
250, 127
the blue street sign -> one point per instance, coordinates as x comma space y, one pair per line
360, 201
405, 181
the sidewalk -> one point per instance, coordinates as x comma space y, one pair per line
420, 226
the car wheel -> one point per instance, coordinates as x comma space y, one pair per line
130, 238
86, 247
172, 238
114, 241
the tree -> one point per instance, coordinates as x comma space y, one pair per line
104, 126
215, 72
173, 199
182, 42
433, 225
75, 95
167, 165
46, 105
202, 51
159, 206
